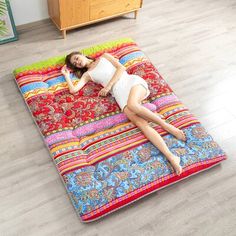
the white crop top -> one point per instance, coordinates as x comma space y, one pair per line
103, 72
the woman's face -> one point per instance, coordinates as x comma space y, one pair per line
78, 60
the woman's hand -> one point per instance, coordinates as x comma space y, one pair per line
104, 91
65, 71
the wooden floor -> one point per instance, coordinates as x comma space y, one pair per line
193, 44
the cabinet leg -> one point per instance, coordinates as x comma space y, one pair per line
64, 34
135, 14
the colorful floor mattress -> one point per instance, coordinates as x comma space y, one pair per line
104, 161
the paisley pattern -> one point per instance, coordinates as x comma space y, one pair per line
96, 185
62, 109
104, 160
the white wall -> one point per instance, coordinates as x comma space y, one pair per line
26, 11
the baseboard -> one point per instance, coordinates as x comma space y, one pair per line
32, 24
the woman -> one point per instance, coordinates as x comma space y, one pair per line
128, 92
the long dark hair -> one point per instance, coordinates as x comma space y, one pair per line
78, 71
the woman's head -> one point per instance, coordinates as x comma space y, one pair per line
78, 62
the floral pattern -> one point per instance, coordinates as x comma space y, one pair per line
62, 109
95, 185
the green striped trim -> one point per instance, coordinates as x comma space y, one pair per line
61, 59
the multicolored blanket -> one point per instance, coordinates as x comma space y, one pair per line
105, 161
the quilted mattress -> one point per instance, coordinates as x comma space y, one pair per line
104, 161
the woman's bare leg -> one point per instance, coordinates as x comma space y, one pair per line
136, 95
155, 138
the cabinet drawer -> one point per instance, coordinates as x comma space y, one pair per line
104, 8
74, 12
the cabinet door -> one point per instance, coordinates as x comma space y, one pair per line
73, 12
104, 8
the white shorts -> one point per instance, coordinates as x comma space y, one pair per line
123, 86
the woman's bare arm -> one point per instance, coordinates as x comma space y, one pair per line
83, 80
119, 71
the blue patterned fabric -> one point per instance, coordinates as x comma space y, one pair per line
98, 184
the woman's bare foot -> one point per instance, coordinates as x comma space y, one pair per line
175, 160
179, 134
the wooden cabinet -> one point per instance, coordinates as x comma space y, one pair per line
73, 12
70, 14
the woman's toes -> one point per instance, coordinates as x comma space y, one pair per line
179, 170
181, 135
175, 161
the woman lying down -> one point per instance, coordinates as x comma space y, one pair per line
129, 94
